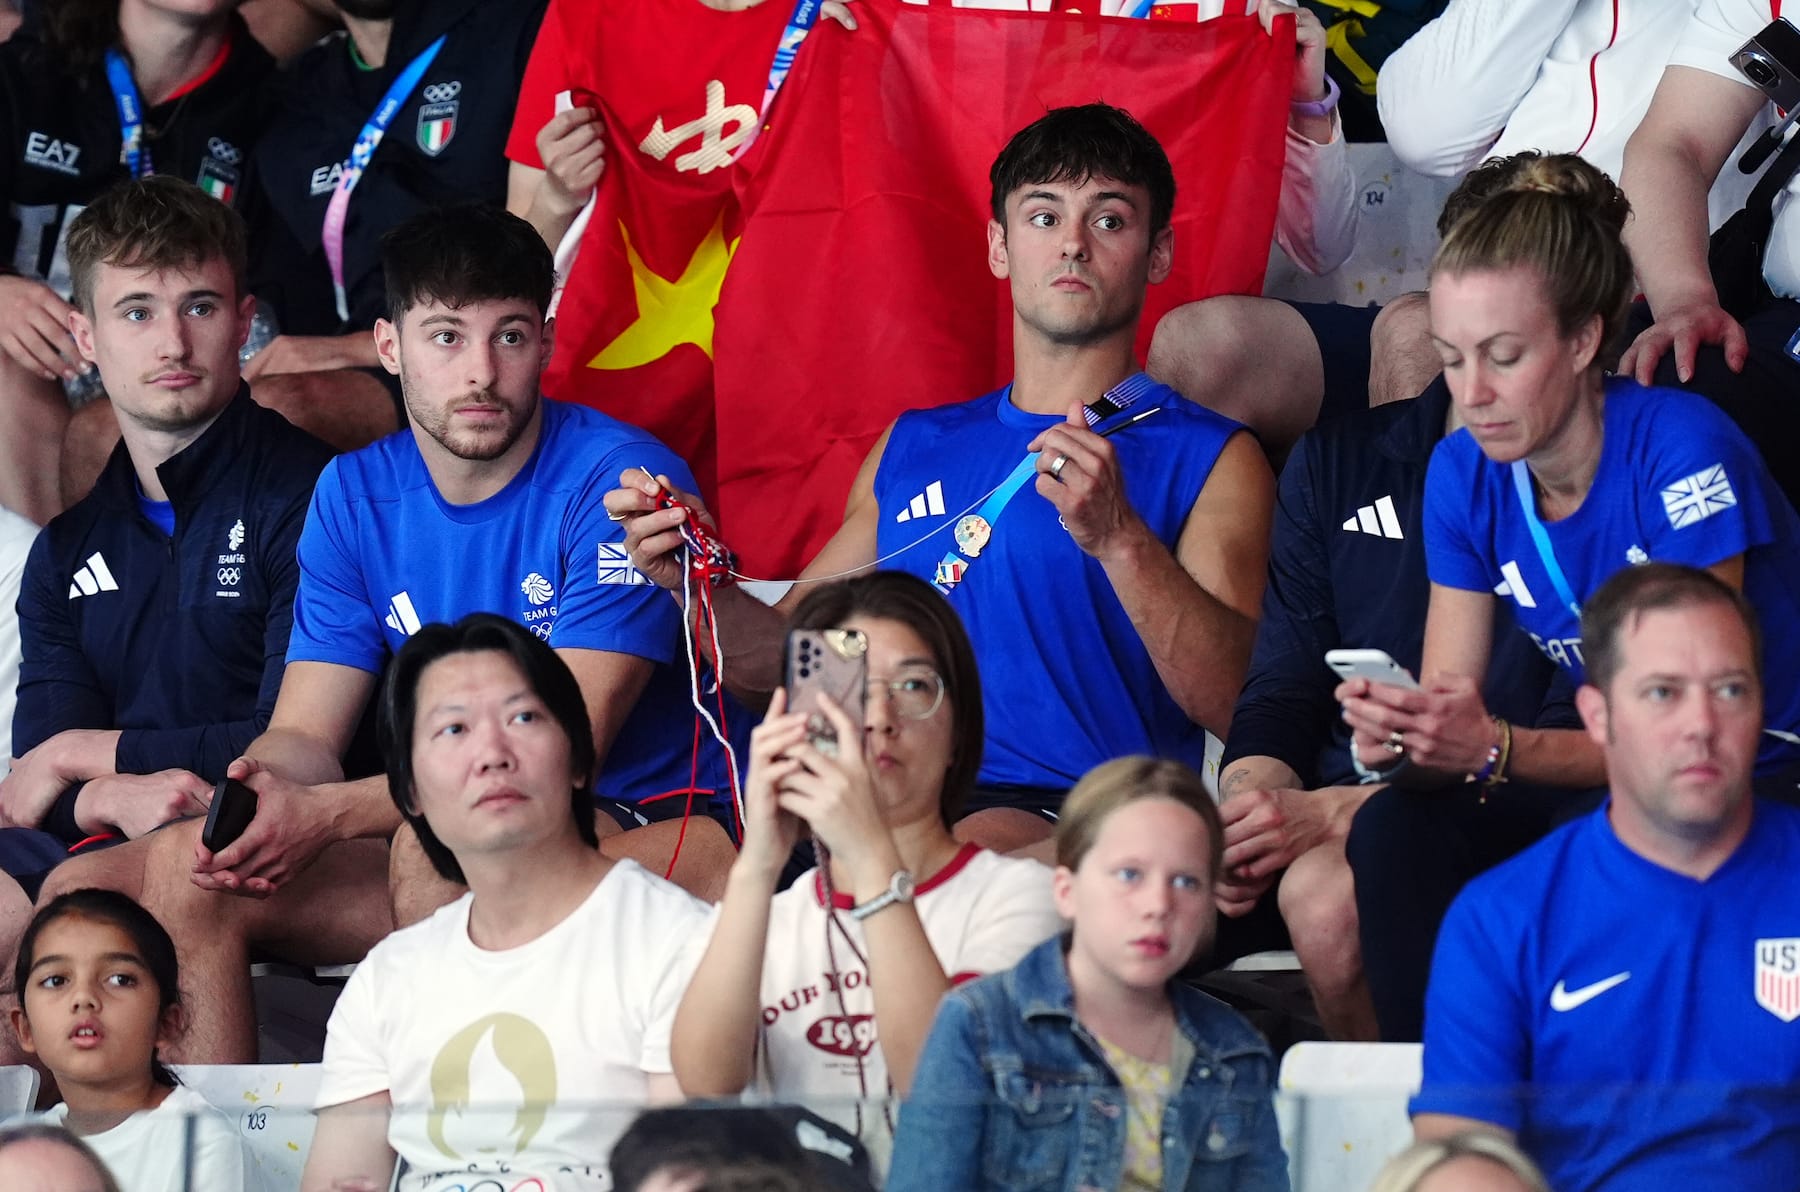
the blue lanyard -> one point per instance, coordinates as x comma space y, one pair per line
1541, 537
133, 153
805, 16
366, 141
1113, 402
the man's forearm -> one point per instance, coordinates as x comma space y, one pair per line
359, 809
551, 219
1199, 645
751, 634
356, 808
1667, 232
297, 757
79, 754
1258, 773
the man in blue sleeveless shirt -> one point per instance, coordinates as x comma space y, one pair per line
1107, 561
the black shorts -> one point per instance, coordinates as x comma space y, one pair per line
1041, 801
663, 808
1343, 335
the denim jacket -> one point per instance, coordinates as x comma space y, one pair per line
1012, 1092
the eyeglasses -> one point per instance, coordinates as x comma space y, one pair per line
916, 692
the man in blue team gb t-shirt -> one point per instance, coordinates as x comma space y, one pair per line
1624, 996
490, 501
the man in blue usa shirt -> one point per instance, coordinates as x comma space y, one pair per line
1623, 995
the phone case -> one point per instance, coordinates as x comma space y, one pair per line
233, 807
833, 661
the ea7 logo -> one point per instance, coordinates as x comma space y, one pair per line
325, 178
48, 153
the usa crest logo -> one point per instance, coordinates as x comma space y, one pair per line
1778, 977
437, 116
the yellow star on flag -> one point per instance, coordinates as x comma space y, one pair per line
671, 313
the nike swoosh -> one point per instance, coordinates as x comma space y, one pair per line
1563, 1000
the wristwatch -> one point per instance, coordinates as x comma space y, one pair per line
900, 889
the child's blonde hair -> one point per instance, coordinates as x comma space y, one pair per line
1111, 785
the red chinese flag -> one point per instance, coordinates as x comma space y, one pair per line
680, 86
860, 288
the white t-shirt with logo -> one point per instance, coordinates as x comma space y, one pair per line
981, 913
148, 1151
526, 1062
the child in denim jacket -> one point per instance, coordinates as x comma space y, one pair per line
1088, 1065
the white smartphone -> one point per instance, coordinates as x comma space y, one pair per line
1373, 665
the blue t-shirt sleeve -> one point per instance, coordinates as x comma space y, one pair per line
1706, 497
1477, 1041
605, 604
334, 618
1453, 512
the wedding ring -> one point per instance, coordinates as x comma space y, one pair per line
1396, 743
1056, 467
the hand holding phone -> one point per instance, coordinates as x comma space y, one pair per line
1374, 665
832, 662
233, 807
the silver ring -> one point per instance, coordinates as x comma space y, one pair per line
1396, 743
616, 517
1056, 467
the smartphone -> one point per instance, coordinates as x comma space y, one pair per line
833, 662
1373, 665
233, 807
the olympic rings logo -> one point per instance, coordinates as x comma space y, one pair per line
442, 92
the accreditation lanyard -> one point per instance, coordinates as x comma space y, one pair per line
133, 153
366, 141
975, 531
800, 23
1540, 537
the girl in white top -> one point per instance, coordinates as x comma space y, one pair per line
98, 995
837, 977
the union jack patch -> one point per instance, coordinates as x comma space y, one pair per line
1698, 497
615, 565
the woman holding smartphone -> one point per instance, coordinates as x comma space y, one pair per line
1560, 476
836, 979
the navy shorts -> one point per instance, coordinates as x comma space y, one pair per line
1343, 335
662, 808
1041, 801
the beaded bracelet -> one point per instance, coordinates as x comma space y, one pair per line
1493, 770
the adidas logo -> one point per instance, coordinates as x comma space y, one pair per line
401, 617
1378, 519
928, 503
93, 578
1514, 585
